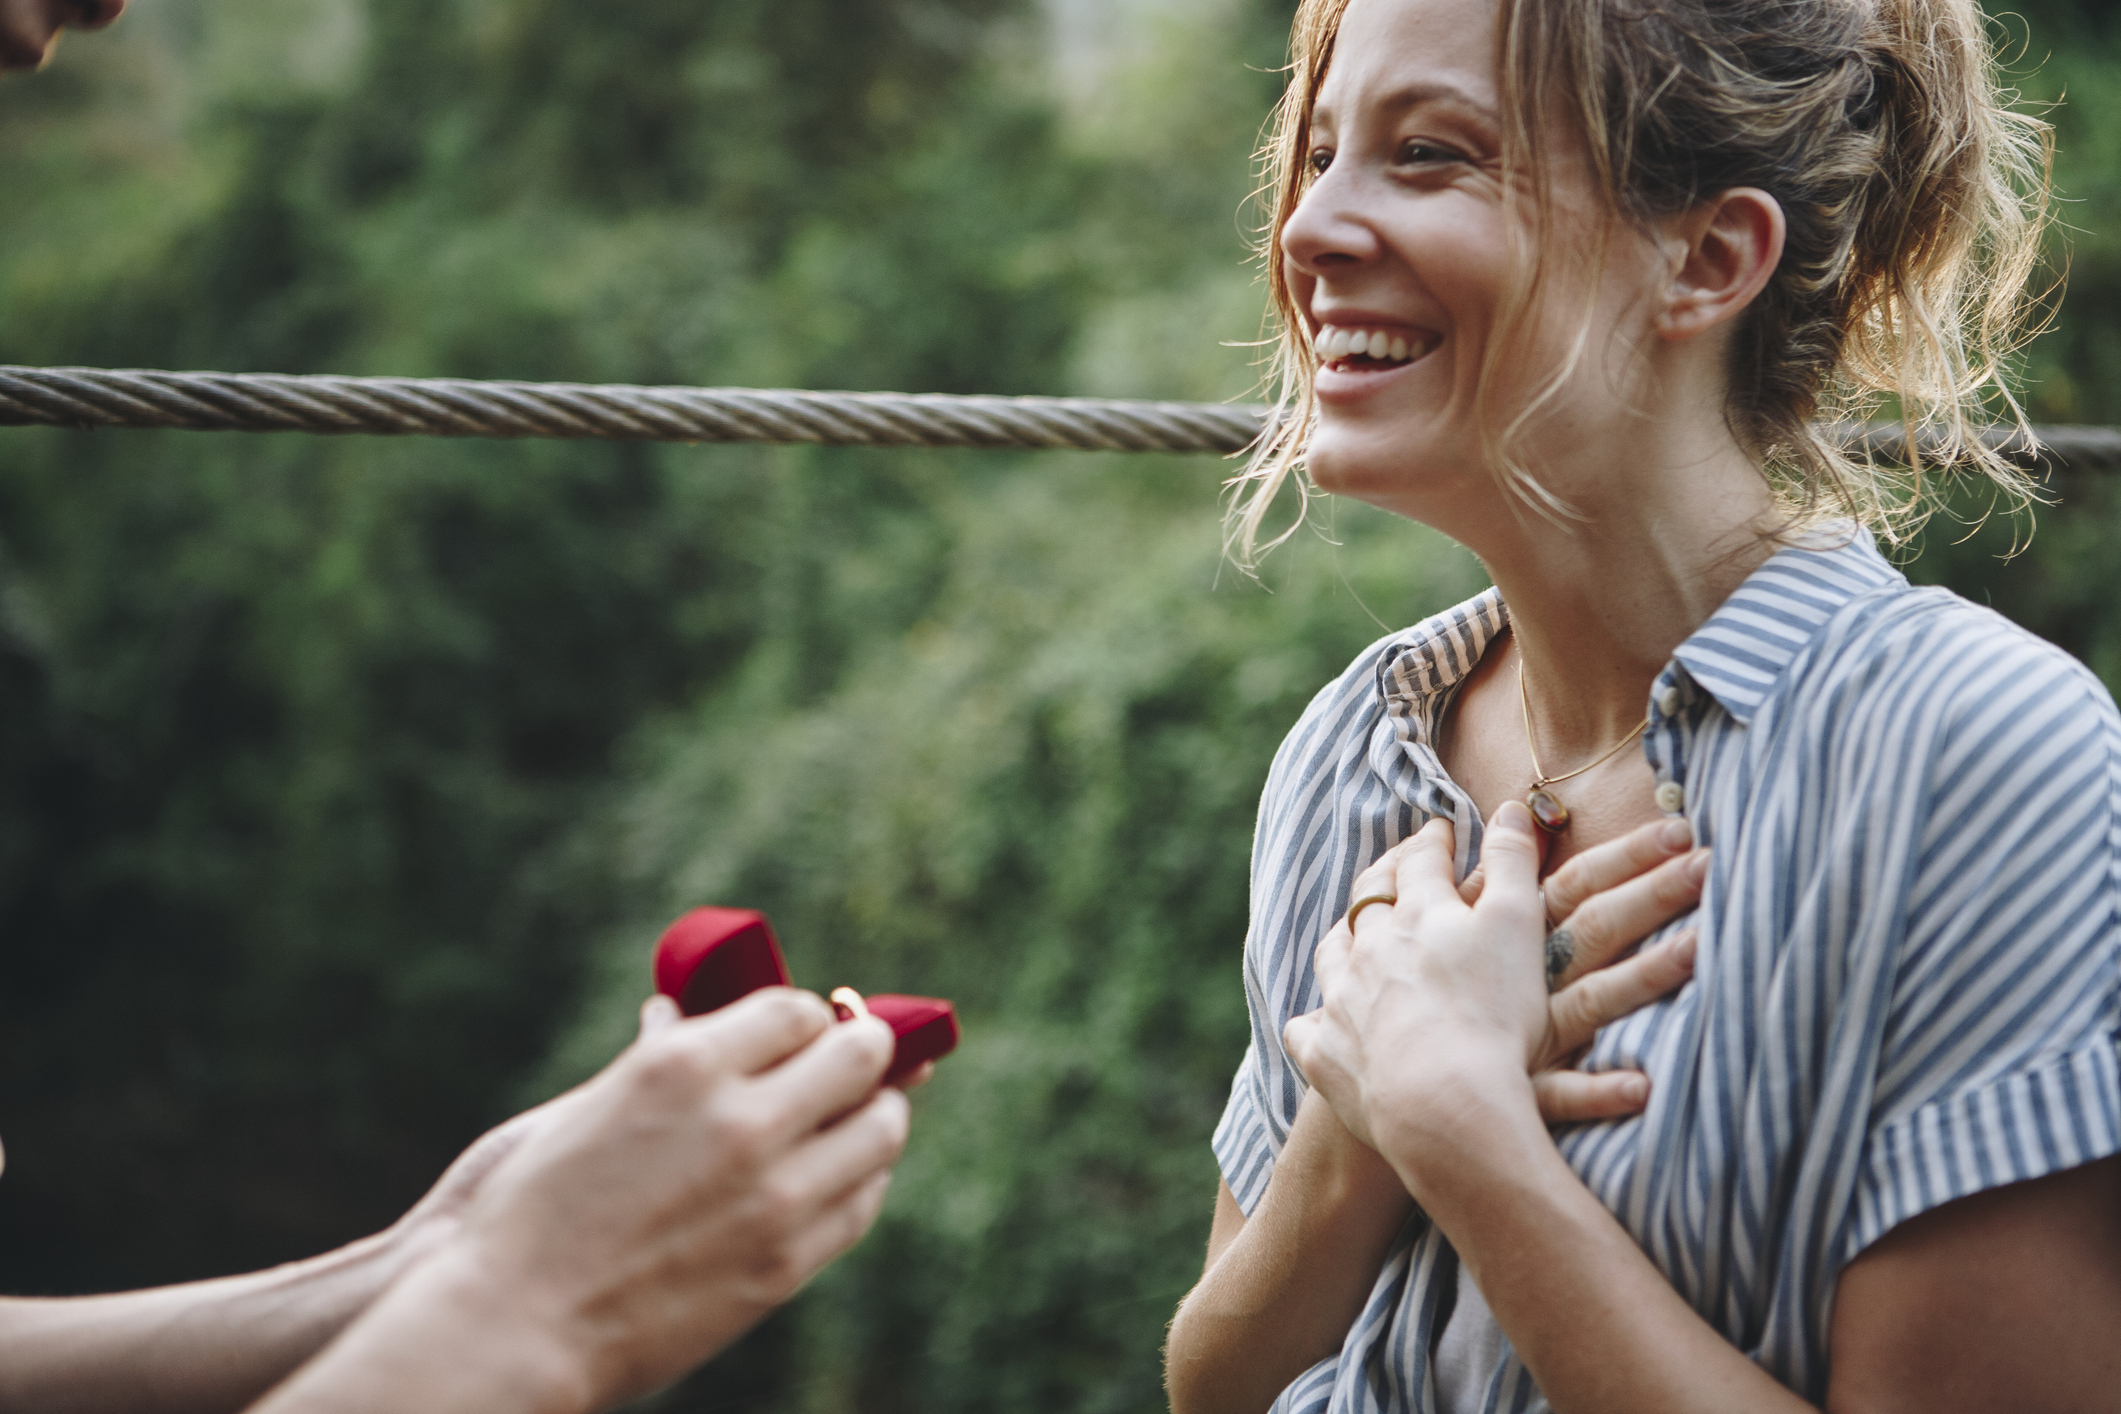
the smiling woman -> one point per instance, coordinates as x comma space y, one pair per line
1907, 205
1835, 1091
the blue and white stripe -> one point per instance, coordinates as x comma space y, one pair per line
1908, 986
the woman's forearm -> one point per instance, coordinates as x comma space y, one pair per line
1599, 1327
204, 1346
1283, 1294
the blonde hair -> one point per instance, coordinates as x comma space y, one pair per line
1914, 196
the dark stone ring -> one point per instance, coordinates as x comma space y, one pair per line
1561, 951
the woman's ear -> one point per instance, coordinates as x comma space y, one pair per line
1724, 250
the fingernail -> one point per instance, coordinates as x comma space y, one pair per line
1676, 835
1514, 817
1697, 868
1636, 1090
1683, 950
658, 1012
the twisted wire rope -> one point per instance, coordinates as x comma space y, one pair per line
457, 407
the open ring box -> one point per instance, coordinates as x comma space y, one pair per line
712, 956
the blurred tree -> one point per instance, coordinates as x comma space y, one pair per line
344, 784
297, 731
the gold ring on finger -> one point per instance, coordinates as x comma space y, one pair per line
1364, 902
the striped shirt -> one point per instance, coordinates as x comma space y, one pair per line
1908, 986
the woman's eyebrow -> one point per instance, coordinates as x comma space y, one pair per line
1414, 95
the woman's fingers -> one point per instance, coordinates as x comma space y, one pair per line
1574, 1096
1612, 863
1422, 867
1510, 855
1578, 1010
1381, 877
1610, 923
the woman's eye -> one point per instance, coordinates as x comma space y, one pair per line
1417, 153
1320, 159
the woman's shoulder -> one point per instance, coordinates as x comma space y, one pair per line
1944, 659
1918, 678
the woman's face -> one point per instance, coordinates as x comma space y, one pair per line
1400, 250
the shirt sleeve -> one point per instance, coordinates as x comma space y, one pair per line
1998, 1060
1321, 809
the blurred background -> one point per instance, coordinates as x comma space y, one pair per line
345, 784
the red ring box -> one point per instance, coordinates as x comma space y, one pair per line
926, 1028
712, 956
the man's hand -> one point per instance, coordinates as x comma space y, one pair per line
645, 1221
29, 29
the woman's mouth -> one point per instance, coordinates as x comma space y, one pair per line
1348, 349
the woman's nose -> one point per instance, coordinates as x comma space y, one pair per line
1326, 232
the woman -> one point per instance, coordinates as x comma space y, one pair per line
1572, 281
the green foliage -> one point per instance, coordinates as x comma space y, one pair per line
345, 784
1038, 801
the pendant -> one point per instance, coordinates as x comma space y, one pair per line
1547, 810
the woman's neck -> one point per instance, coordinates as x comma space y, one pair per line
1598, 606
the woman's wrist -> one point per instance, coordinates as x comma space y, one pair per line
1468, 1120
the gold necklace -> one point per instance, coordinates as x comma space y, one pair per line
1546, 807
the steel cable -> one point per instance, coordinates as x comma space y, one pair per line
456, 407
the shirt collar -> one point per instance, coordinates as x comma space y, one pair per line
1436, 653
1744, 647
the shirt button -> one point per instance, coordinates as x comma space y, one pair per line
1671, 797
1668, 700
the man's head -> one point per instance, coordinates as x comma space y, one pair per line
29, 29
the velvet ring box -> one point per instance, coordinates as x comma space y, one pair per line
712, 956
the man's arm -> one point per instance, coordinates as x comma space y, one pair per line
205, 1346
218, 1345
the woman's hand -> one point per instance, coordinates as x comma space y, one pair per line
1447, 981
1599, 905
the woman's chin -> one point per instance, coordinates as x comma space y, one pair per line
1383, 467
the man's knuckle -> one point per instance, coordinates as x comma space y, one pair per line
668, 1066
777, 1206
743, 1131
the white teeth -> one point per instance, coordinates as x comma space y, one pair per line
1334, 343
